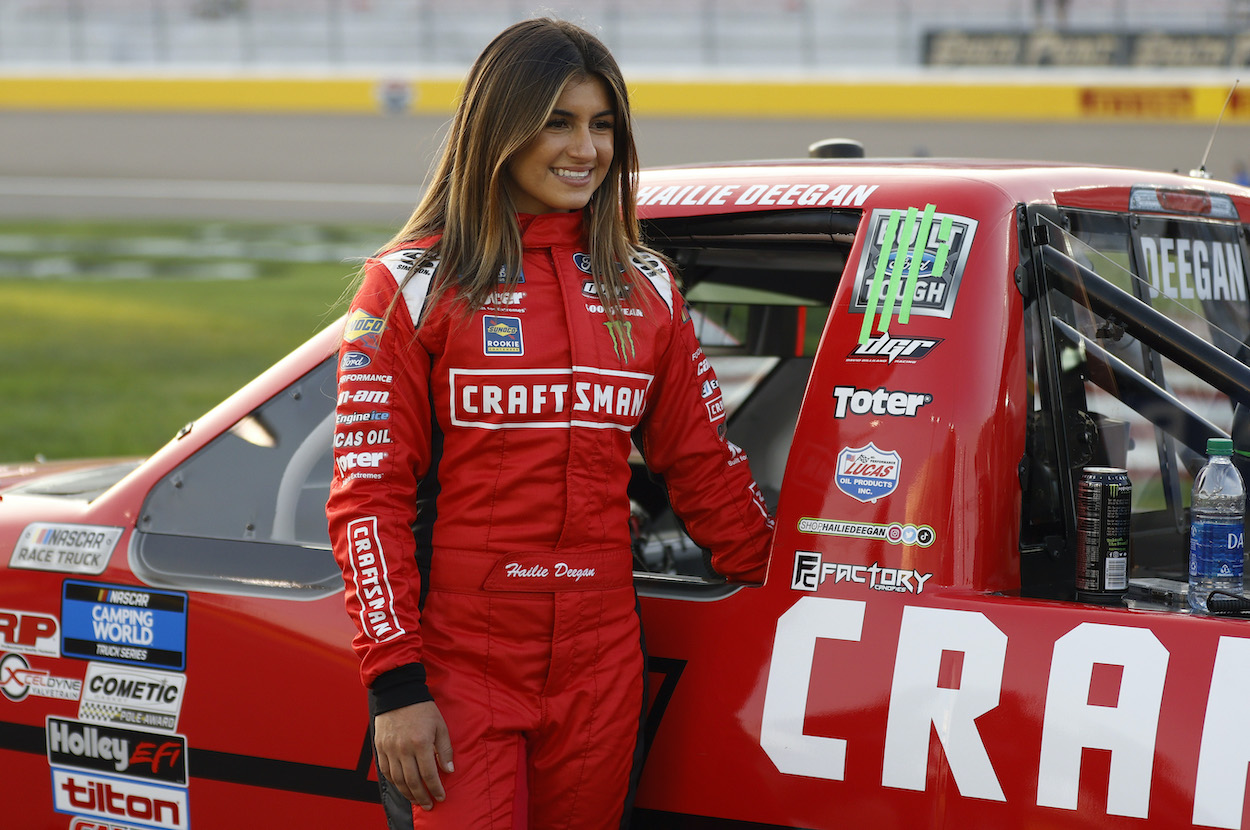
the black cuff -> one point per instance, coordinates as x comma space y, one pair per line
398, 688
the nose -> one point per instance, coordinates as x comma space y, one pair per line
582, 144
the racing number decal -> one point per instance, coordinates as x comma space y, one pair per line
670, 670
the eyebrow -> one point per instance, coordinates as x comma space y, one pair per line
568, 114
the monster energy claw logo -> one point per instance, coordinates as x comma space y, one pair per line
622, 338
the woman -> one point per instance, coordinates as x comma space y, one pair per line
497, 357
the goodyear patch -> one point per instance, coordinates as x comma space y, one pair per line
364, 329
501, 335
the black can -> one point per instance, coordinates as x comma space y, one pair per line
1103, 506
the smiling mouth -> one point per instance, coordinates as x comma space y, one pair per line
572, 175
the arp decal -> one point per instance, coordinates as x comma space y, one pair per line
18, 679
29, 633
128, 696
135, 803
893, 533
887, 349
124, 624
880, 401
66, 548
868, 473
811, 571
913, 263
502, 335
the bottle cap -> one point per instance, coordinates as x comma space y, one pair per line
1219, 446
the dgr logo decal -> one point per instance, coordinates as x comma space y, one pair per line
502, 335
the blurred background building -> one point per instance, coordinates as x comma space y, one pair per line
803, 35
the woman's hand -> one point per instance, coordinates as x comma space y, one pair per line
413, 745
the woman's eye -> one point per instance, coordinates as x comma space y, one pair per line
603, 125
557, 123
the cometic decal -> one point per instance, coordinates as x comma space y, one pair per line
124, 624
128, 696
912, 263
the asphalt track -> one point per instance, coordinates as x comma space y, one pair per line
370, 168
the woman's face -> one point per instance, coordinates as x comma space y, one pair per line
559, 169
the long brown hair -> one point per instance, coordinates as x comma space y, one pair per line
508, 97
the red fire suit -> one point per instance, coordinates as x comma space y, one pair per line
479, 512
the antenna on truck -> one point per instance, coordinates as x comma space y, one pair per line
1201, 171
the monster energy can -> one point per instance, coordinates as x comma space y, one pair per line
1103, 506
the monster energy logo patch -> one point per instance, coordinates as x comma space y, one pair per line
912, 264
622, 338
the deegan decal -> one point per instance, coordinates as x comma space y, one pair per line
770, 193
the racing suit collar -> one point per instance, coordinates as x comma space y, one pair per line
547, 229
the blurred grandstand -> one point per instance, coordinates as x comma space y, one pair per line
802, 35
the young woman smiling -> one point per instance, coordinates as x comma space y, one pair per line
506, 345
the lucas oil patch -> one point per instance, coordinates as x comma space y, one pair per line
867, 473
502, 335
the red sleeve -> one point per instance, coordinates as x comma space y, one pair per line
709, 481
381, 452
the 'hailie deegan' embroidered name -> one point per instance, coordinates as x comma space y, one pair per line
552, 398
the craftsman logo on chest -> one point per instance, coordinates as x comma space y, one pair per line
584, 396
502, 335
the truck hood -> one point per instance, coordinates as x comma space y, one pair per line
77, 478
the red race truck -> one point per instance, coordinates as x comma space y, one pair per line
920, 357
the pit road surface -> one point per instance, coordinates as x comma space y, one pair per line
113, 165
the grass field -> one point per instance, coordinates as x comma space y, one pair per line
115, 335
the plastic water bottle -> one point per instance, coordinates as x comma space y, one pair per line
1217, 529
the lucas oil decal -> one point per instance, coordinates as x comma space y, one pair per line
912, 264
867, 473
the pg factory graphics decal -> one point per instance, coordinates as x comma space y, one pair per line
124, 624
912, 264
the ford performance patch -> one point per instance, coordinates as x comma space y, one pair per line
502, 335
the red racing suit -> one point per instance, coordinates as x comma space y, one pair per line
479, 513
